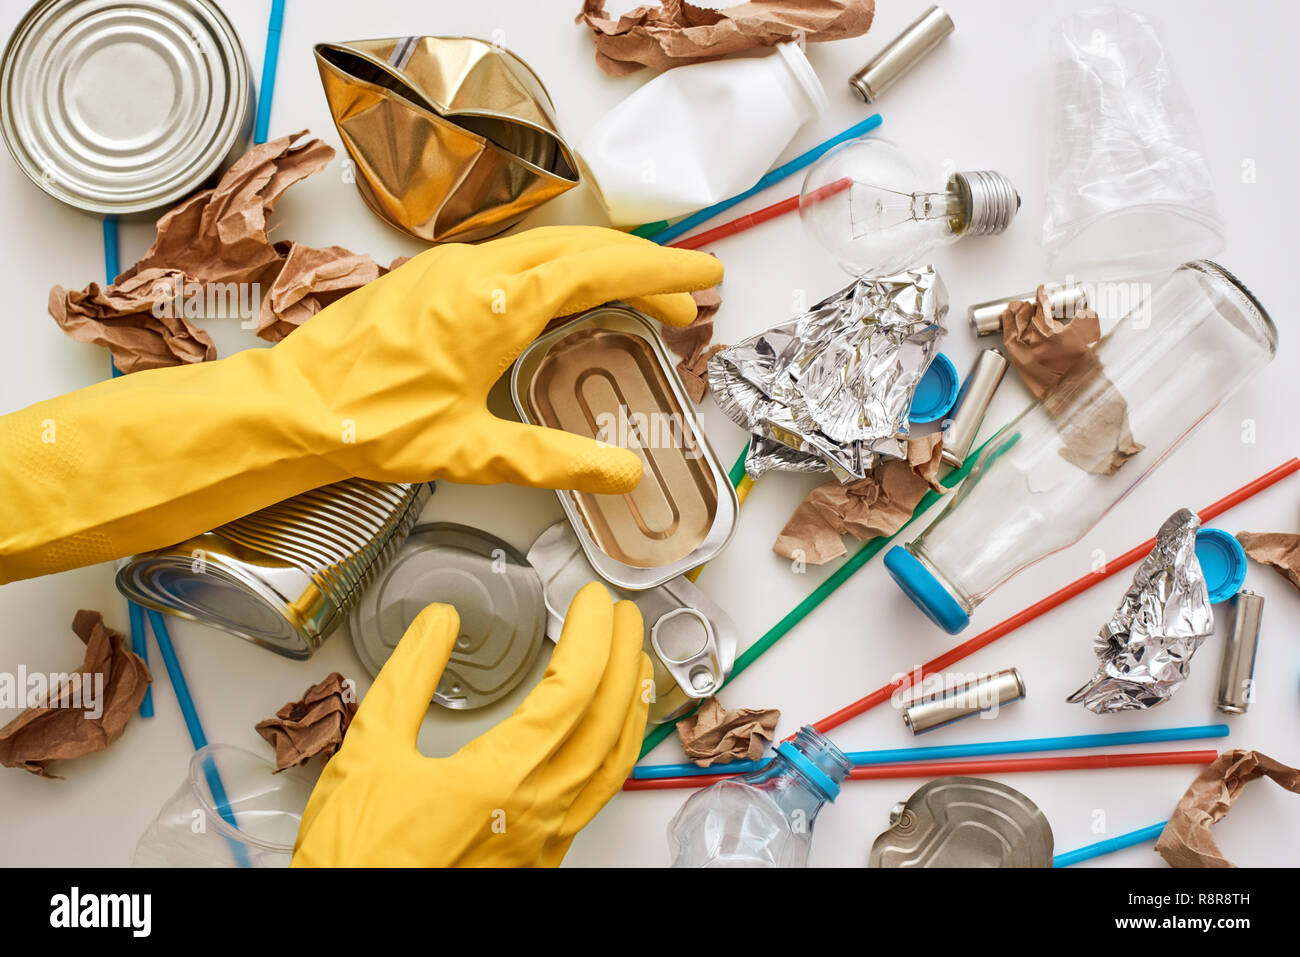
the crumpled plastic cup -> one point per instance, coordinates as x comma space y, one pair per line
1129, 191
231, 810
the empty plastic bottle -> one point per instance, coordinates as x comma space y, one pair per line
763, 819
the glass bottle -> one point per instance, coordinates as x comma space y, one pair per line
1051, 474
765, 818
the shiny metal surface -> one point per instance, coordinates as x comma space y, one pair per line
454, 138
606, 375
1145, 650
831, 389
901, 54
283, 577
989, 202
496, 594
1237, 666
1065, 299
124, 107
559, 560
972, 402
965, 822
983, 695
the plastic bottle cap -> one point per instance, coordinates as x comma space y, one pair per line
926, 591
936, 393
1223, 563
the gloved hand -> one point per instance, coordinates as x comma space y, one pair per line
389, 383
514, 796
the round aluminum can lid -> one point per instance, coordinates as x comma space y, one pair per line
119, 107
495, 591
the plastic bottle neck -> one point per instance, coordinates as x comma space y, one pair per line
803, 776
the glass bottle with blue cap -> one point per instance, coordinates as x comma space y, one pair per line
762, 819
1051, 474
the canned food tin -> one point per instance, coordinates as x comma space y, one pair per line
606, 375
122, 108
283, 577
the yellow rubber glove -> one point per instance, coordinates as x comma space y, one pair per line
515, 796
389, 383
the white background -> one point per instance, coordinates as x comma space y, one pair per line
980, 101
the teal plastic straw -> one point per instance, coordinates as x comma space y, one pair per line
1140, 836
970, 750
770, 179
270, 61
819, 594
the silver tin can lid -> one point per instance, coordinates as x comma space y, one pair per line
119, 107
494, 590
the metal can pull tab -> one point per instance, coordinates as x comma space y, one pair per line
684, 641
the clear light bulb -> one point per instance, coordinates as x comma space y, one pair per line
867, 203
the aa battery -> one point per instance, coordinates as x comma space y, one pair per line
902, 53
983, 694
972, 402
1065, 300
1237, 669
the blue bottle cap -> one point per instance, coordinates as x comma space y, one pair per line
926, 592
1223, 563
936, 393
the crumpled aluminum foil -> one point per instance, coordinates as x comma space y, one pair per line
831, 390
1146, 648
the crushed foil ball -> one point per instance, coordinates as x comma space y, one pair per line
1146, 648
831, 389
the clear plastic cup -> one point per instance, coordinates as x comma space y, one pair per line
232, 810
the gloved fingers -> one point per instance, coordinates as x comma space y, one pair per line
609, 777
674, 308
396, 703
621, 266
548, 458
562, 699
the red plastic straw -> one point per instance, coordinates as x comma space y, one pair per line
953, 655
935, 769
742, 223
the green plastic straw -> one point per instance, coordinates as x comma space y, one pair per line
819, 594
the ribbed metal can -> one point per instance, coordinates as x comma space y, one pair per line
124, 108
286, 576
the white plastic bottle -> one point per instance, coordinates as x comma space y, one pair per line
698, 134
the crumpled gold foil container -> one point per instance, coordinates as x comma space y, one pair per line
453, 139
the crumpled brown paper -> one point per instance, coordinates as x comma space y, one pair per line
219, 236
1057, 363
313, 725
879, 504
1279, 549
43, 733
1186, 840
678, 33
714, 735
692, 343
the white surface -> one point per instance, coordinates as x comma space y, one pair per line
979, 102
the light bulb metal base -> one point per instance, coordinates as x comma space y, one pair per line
990, 200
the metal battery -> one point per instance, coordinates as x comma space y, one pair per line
495, 591
286, 576
1065, 299
124, 107
984, 694
1237, 669
972, 402
606, 376
691, 642
901, 54
965, 822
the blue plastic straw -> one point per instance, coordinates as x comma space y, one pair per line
972, 750
770, 179
1140, 836
270, 61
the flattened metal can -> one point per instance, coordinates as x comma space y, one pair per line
124, 108
606, 375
